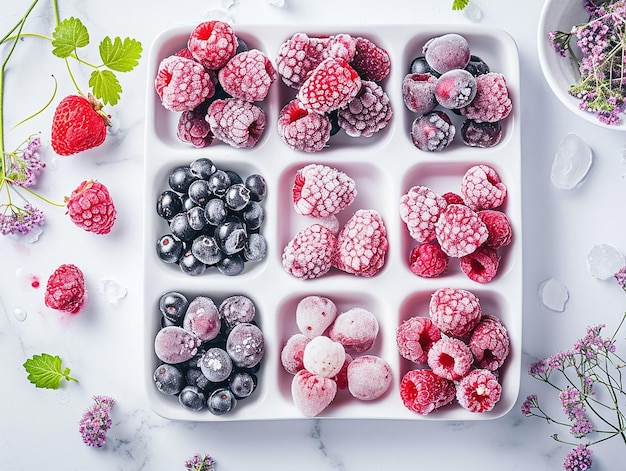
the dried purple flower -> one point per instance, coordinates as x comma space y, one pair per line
200, 463
578, 459
96, 421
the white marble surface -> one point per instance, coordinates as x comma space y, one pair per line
38, 428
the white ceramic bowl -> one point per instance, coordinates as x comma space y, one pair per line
561, 72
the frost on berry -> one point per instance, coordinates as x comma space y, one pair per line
479, 391
212, 43
483, 134
301, 129
371, 61
447, 52
236, 122
298, 56
454, 311
420, 209
194, 129
369, 112
492, 102
182, 84
481, 265
450, 358
455, 89
414, 338
320, 191
248, 75
362, 244
65, 289
418, 92
422, 391
91, 207
428, 260
310, 253
490, 343
460, 231
481, 188
499, 227
433, 131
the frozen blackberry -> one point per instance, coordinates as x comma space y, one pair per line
169, 248
481, 134
455, 89
369, 112
418, 92
433, 131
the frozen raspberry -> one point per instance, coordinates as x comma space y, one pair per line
371, 61
186, 53
450, 358
428, 260
65, 290
312, 393
414, 338
236, 122
453, 198
420, 209
499, 227
331, 85
301, 129
298, 57
310, 253
460, 231
481, 265
91, 207
369, 112
340, 46
314, 314
321, 191
330, 222
481, 188
194, 129
369, 377
182, 84
447, 52
418, 92
356, 329
248, 75
432, 131
422, 391
323, 356
479, 391
484, 134
455, 89
212, 43
490, 343
342, 377
492, 102
362, 244
292, 353
454, 311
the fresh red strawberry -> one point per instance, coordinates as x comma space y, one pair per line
65, 290
90, 207
78, 124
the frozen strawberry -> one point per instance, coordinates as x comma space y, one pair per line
310, 253
482, 188
314, 314
173, 344
342, 377
298, 57
367, 113
91, 207
356, 329
454, 311
371, 61
248, 75
182, 84
420, 209
490, 343
428, 260
65, 289
369, 377
481, 265
301, 129
323, 356
450, 358
499, 227
479, 391
212, 43
362, 244
78, 124
292, 353
418, 92
321, 191
460, 231
236, 122
331, 85
492, 102
312, 393
422, 391
414, 338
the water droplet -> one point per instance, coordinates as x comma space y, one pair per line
604, 260
571, 163
112, 290
553, 295
472, 12
20, 314
33, 235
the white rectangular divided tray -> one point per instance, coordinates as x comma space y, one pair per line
384, 167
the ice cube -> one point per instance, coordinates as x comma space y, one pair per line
111, 290
571, 163
33, 235
472, 12
20, 314
604, 260
276, 3
553, 294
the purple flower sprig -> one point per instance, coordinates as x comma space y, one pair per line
96, 421
200, 463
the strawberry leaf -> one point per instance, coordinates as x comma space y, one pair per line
105, 86
120, 56
459, 4
45, 371
69, 35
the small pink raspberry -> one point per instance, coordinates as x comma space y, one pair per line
482, 188
248, 75
454, 311
332, 84
418, 92
428, 260
182, 84
450, 358
460, 231
499, 227
362, 244
371, 61
236, 122
310, 253
479, 391
481, 265
301, 129
340, 46
91, 207
298, 56
490, 343
194, 129
65, 290
212, 43
422, 391
492, 102
367, 113
420, 209
321, 191
414, 338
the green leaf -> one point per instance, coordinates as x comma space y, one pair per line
120, 56
105, 86
69, 35
45, 371
459, 4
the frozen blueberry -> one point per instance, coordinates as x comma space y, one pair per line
180, 227
255, 249
168, 379
191, 397
216, 364
231, 265
200, 192
237, 197
197, 218
173, 305
168, 204
221, 401
169, 248
419, 65
194, 377
477, 66
215, 211
257, 186
187, 202
205, 249
237, 309
219, 182
180, 178
483, 134
190, 265
234, 177
202, 168
231, 235
253, 215
242, 384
